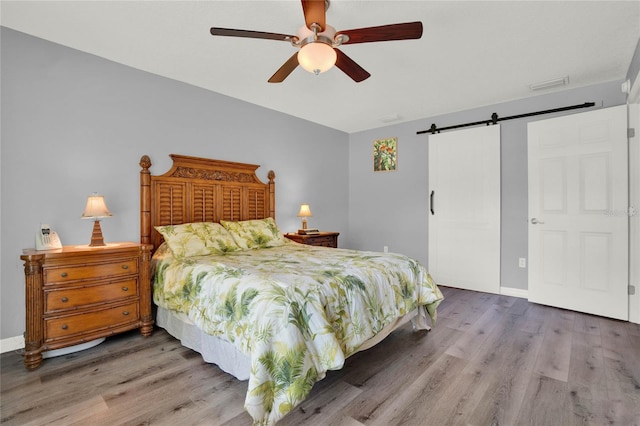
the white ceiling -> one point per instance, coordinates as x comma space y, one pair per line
472, 53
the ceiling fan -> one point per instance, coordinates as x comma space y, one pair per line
318, 42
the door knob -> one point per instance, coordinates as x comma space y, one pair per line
535, 221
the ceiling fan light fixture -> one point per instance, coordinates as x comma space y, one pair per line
317, 57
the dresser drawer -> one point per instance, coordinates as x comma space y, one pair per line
321, 239
324, 241
89, 271
81, 323
73, 298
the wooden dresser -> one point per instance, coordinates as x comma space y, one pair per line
79, 293
323, 239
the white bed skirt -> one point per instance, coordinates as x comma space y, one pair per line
226, 356
214, 350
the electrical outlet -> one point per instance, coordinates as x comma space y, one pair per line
386, 249
522, 262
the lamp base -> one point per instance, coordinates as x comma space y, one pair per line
96, 237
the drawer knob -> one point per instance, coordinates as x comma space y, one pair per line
125, 266
65, 326
63, 275
125, 288
64, 300
125, 313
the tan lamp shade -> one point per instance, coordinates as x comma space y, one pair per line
96, 209
304, 213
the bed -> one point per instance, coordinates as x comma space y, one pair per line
279, 314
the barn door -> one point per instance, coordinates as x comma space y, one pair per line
464, 215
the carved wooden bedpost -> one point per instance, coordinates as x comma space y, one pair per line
145, 200
146, 312
272, 193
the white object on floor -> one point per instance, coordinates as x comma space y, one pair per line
72, 349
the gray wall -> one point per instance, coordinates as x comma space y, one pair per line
73, 123
634, 68
391, 208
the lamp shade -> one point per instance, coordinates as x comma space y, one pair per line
96, 208
305, 211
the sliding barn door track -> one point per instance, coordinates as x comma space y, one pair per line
495, 119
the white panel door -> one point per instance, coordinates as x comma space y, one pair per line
464, 216
578, 220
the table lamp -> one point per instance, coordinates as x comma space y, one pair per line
96, 209
304, 213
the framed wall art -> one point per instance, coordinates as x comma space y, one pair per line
385, 155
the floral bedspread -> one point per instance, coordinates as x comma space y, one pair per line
296, 310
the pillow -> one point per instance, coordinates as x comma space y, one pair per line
162, 251
197, 239
259, 233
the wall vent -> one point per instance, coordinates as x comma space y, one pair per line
541, 85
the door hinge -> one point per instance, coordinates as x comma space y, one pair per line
632, 290
631, 132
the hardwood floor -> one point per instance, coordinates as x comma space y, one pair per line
490, 360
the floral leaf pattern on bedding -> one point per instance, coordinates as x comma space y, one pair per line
296, 310
288, 380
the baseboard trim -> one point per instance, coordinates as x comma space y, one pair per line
11, 344
514, 292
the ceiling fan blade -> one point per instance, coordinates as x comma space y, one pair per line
286, 69
406, 31
350, 68
314, 12
230, 32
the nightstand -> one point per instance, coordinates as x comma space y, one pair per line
79, 293
322, 239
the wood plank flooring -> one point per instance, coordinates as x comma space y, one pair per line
490, 360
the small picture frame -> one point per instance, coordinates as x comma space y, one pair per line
385, 155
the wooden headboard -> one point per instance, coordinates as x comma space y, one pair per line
201, 190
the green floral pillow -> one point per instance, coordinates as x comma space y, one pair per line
197, 239
162, 251
252, 234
